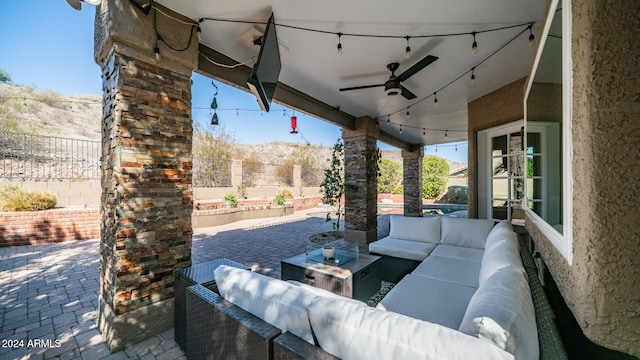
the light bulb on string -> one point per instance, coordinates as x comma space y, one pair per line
473, 76
408, 114
436, 148
456, 148
156, 51
474, 46
400, 129
407, 50
199, 32
445, 134
340, 44
532, 39
237, 113
424, 132
214, 119
435, 99
388, 118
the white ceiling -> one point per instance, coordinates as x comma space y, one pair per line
312, 66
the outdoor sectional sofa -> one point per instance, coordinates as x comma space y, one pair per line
466, 296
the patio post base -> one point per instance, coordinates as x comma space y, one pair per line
125, 330
361, 236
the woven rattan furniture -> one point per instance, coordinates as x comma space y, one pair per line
358, 279
196, 274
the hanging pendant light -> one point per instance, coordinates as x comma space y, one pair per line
214, 119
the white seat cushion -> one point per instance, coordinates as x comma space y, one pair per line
465, 232
406, 249
428, 299
463, 272
353, 332
425, 229
500, 253
458, 252
275, 301
501, 311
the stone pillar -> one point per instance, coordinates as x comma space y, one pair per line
297, 179
412, 180
361, 181
236, 174
146, 170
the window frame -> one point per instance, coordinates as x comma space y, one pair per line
563, 242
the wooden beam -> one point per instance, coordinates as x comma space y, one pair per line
284, 94
389, 139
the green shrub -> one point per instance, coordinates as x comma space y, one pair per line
14, 198
456, 194
280, 199
435, 174
231, 200
286, 192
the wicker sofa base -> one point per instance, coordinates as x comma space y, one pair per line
394, 268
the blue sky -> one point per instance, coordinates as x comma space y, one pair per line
48, 45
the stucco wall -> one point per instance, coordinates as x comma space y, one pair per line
500, 107
602, 285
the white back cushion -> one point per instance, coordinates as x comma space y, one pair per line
498, 254
425, 229
353, 331
499, 231
465, 232
502, 312
275, 301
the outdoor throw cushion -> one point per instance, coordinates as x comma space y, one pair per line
406, 249
463, 272
428, 299
502, 312
275, 301
500, 253
458, 252
465, 232
425, 229
352, 331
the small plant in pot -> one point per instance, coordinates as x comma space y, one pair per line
231, 200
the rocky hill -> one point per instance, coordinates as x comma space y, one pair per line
25, 109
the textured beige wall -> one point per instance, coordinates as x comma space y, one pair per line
602, 285
500, 107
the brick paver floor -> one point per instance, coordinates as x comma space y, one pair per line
49, 293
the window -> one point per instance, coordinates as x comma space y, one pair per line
548, 132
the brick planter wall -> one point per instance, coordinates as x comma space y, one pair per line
40, 227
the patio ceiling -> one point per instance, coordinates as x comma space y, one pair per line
311, 65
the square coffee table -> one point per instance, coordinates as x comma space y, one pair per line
357, 279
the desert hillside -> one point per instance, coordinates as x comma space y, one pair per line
77, 116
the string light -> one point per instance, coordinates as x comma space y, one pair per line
424, 132
408, 114
407, 51
388, 119
339, 44
473, 76
214, 119
156, 51
436, 148
400, 129
199, 32
532, 39
474, 46
445, 134
435, 99
214, 106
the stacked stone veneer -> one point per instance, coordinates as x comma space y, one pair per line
40, 227
412, 181
146, 182
361, 181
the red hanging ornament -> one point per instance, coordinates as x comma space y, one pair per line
294, 125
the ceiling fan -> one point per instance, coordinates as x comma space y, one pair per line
393, 86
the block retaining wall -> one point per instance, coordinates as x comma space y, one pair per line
49, 226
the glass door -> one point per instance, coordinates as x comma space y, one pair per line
507, 175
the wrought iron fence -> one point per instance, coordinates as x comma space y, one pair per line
206, 175
262, 174
38, 157
312, 177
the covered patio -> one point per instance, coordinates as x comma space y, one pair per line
333, 67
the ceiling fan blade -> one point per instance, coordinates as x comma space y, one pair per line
417, 67
407, 93
361, 87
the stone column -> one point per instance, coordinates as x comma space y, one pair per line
361, 181
236, 174
297, 179
412, 180
146, 170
